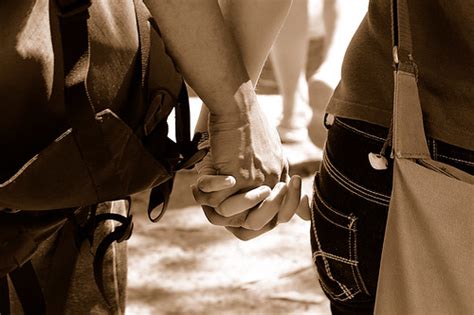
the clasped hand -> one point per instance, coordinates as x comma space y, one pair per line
243, 182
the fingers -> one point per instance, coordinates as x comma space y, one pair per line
211, 183
285, 175
265, 212
244, 201
216, 219
212, 199
304, 210
260, 205
245, 234
292, 200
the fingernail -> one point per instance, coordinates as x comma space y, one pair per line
229, 181
296, 182
264, 190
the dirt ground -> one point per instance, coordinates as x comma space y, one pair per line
184, 265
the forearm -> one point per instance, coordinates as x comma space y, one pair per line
205, 52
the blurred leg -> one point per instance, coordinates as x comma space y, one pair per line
254, 25
289, 57
342, 17
289, 61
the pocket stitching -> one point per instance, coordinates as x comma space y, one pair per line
355, 268
316, 190
336, 296
358, 131
354, 188
321, 253
345, 290
325, 217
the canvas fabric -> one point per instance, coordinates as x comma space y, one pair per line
428, 250
112, 86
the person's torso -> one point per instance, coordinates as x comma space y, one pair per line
31, 77
443, 49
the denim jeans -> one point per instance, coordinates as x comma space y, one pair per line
349, 211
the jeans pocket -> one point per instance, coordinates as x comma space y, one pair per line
334, 248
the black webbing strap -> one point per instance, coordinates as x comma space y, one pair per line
119, 234
4, 296
80, 111
183, 122
183, 131
143, 17
401, 37
28, 289
159, 199
159, 196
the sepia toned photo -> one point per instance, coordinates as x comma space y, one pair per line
237, 157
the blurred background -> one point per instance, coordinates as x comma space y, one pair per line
185, 265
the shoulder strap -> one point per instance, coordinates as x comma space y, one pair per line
409, 140
73, 15
401, 37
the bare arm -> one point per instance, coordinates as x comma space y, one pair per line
205, 51
243, 144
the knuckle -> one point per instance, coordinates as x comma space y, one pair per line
211, 215
273, 178
222, 211
212, 201
253, 225
196, 194
237, 220
284, 218
259, 180
243, 235
246, 237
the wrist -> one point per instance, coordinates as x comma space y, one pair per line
238, 105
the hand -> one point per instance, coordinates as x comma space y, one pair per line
245, 146
250, 214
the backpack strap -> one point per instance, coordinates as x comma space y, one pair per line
119, 234
73, 15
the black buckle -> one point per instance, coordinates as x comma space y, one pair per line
69, 9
